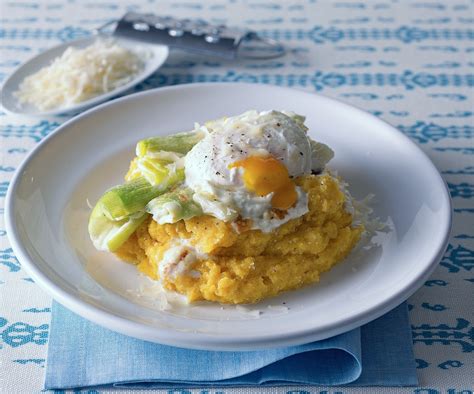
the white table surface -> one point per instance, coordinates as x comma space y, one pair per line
409, 62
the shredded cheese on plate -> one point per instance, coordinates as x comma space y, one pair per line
80, 74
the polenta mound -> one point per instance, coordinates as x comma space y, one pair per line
251, 265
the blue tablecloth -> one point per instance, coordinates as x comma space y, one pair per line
408, 62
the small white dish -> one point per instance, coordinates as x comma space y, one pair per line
10, 103
47, 212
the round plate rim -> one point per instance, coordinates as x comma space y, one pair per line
209, 341
93, 101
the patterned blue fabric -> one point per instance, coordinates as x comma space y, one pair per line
408, 62
82, 354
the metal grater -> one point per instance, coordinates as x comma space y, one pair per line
195, 36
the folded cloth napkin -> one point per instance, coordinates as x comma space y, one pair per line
82, 354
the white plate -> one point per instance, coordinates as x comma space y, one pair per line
158, 55
47, 218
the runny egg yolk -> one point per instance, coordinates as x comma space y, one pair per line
264, 175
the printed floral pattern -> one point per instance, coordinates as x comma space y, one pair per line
409, 62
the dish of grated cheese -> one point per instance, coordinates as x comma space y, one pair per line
80, 74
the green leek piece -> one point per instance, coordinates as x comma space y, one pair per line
179, 143
109, 235
120, 211
173, 206
157, 171
124, 200
321, 154
121, 201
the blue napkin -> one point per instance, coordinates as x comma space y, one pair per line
82, 354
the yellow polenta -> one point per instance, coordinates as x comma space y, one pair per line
248, 266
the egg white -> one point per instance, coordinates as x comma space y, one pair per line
220, 190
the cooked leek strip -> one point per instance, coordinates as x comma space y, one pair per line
109, 235
157, 168
173, 206
124, 200
321, 154
179, 143
158, 171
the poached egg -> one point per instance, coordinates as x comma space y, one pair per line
245, 167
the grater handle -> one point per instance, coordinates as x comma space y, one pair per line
195, 36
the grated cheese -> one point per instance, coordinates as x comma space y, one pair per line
80, 74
